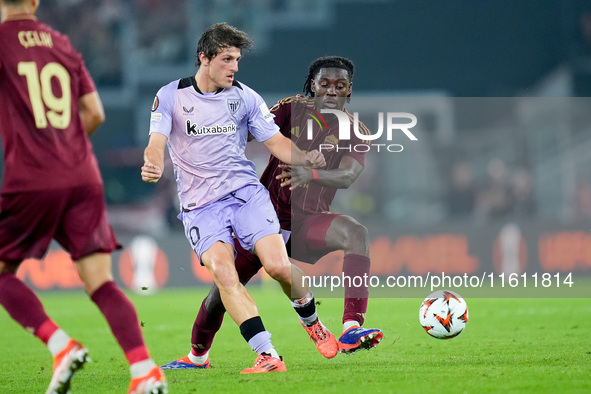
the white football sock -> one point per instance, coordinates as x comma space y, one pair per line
57, 342
198, 360
141, 368
272, 352
350, 323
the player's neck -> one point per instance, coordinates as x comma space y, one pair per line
204, 83
12, 14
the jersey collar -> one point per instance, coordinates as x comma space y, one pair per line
194, 83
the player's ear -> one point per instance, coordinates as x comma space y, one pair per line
204, 60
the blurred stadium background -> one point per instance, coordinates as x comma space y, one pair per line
501, 179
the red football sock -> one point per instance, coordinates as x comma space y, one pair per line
204, 329
46, 330
23, 305
122, 318
355, 265
208, 323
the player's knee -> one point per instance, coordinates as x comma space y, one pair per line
280, 271
95, 271
224, 273
356, 238
93, 284
359, 232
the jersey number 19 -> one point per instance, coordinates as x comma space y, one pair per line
41, 94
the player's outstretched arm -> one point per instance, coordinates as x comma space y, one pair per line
91, 111
154, 158
339, 178
285, 150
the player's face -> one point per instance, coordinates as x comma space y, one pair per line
221, 68
331, 87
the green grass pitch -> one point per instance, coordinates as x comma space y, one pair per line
509, 345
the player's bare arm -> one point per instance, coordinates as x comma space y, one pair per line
340, 178
154, 158
92, 113
285, 150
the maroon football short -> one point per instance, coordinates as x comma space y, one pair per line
247, 263
76, 218
308, 237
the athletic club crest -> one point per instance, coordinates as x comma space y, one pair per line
233, 105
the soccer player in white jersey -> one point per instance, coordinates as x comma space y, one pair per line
205, 121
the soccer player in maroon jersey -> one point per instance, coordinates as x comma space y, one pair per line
52, 189
302, 199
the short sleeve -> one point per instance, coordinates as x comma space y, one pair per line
86, 82
260, 119
282, 112
163, 109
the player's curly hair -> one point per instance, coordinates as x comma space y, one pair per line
327, 62
220, 36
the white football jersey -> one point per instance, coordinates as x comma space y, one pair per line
207, 134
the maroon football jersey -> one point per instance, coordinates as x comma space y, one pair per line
292, 115
41, 79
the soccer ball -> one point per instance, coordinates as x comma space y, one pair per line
443, 314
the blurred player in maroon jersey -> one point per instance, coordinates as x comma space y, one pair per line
302, 199
52, 189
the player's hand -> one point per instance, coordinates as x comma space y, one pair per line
294, 176
151, 173
314, 159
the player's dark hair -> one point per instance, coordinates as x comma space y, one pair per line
327, 62
220, 36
